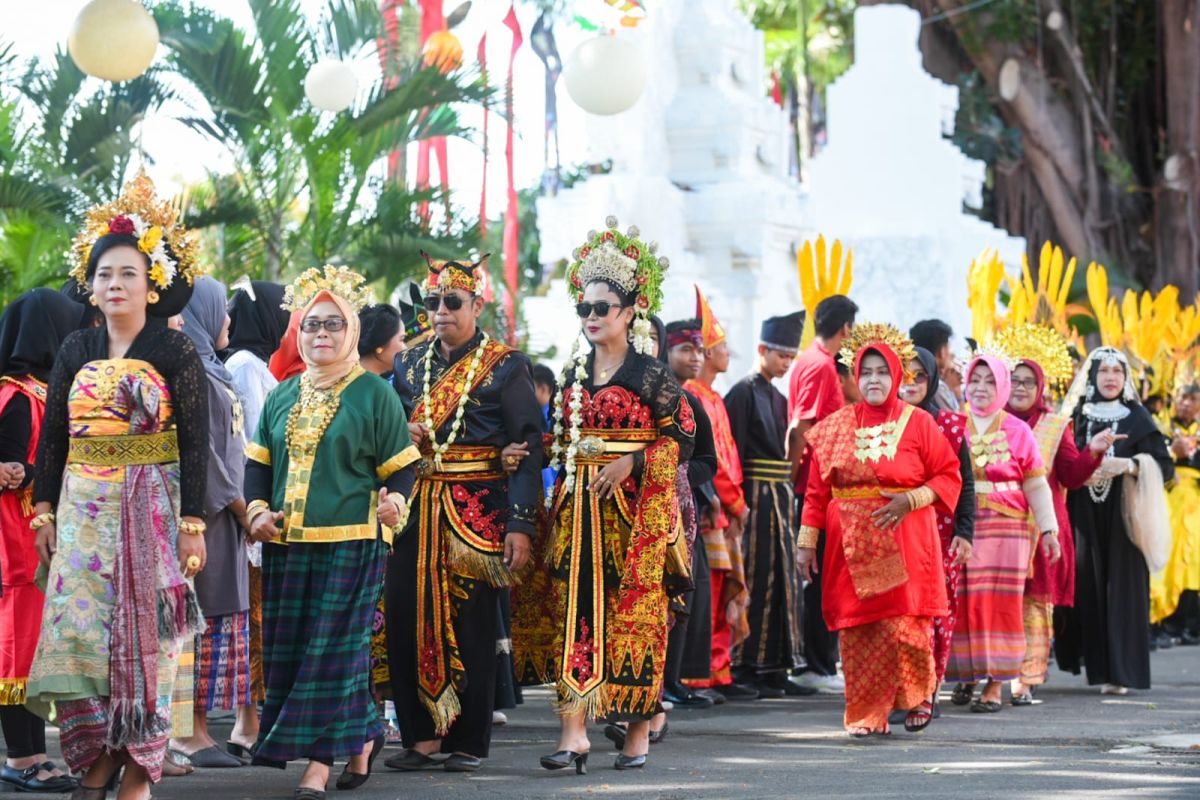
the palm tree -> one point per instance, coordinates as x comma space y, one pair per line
307, 187
64, 145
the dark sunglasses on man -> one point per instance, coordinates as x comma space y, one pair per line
453, 302
333, 324
584, 310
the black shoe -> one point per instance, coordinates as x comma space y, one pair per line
615, 734
243, 754
1162, 640
411, 761
712, 694
565, 758
1189, 638
789, 686
353, 780
629, 762
962, 694
461, 762
26, 780
734, 692
212, 757
681, 698
660, 734
305, 793
768, 692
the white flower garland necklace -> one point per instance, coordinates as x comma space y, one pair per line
439, 450
578, 362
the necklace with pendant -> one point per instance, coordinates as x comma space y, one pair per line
603, 373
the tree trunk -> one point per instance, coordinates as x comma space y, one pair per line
1179, 197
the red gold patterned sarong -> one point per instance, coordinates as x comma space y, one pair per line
888, 665
1039, 621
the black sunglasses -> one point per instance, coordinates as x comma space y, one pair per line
453, 302
584, 310
333, 324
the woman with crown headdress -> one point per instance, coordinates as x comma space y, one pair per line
881, 470
1121, 503
342, 429
1010, 483
1043, 360
592, 618
119, 499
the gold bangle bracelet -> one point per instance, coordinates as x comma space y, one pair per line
255, 508
41, 520
192, 528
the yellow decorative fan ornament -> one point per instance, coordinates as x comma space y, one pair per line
823, 274
984, 278
1046, 301
1040, 343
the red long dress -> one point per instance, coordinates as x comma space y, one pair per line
881, 589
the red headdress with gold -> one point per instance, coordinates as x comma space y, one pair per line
445, 276
711, 331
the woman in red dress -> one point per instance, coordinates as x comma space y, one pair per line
879, 468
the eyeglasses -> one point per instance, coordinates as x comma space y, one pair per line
333, 324
584, 310
1025, 383
920, 377
453, 302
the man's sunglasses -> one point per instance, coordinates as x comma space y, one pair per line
453, 302
333, 324
584, 310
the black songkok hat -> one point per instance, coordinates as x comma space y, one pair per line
783, 333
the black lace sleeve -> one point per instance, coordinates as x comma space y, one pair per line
673, 413
52, 446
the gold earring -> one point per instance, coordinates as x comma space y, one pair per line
152, 297
92, 299
378, 351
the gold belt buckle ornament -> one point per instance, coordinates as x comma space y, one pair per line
424, 468
592, 446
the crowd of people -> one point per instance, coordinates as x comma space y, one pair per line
314, 510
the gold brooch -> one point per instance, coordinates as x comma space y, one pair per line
990, 448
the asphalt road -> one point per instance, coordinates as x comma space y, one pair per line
1074, 743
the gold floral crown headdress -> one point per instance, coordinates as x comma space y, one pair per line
139, 213
341, 281
1039, 343
623, 260
869, 333
994, 349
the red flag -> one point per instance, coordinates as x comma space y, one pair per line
776, 89
512, 225
481, 57
432, 21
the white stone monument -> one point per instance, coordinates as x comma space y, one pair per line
700, 165
890, 185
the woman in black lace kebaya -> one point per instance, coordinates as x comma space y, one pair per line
119, 499
592, 618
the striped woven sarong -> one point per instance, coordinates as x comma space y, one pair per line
223, 662
1039, 623
989, 634
318, 601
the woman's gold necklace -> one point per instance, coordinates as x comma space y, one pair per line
603, 373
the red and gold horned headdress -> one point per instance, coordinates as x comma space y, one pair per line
445, 276
711, 331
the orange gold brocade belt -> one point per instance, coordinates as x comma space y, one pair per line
124, 450
602, 445
868, 492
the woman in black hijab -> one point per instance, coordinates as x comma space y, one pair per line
31, 331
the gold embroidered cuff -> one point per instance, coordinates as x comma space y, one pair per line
920, 497
41, 520
192, 528
397, 462
807, 538
256, 452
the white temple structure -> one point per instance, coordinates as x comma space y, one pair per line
700, 165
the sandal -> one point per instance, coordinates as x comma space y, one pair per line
918, 719
985, 706
962, 694
1022, 698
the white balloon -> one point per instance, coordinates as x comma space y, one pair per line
331, 85
606, 75
114, 40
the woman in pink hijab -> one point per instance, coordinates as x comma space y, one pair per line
1010, 481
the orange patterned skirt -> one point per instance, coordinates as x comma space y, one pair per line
888, 665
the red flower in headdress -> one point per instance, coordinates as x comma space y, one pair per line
122, 225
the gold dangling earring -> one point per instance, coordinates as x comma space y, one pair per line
92, 299
152, 297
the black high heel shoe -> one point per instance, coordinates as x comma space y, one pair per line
565, 758
353, 780
629, 762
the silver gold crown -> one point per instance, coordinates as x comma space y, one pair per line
607, 263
